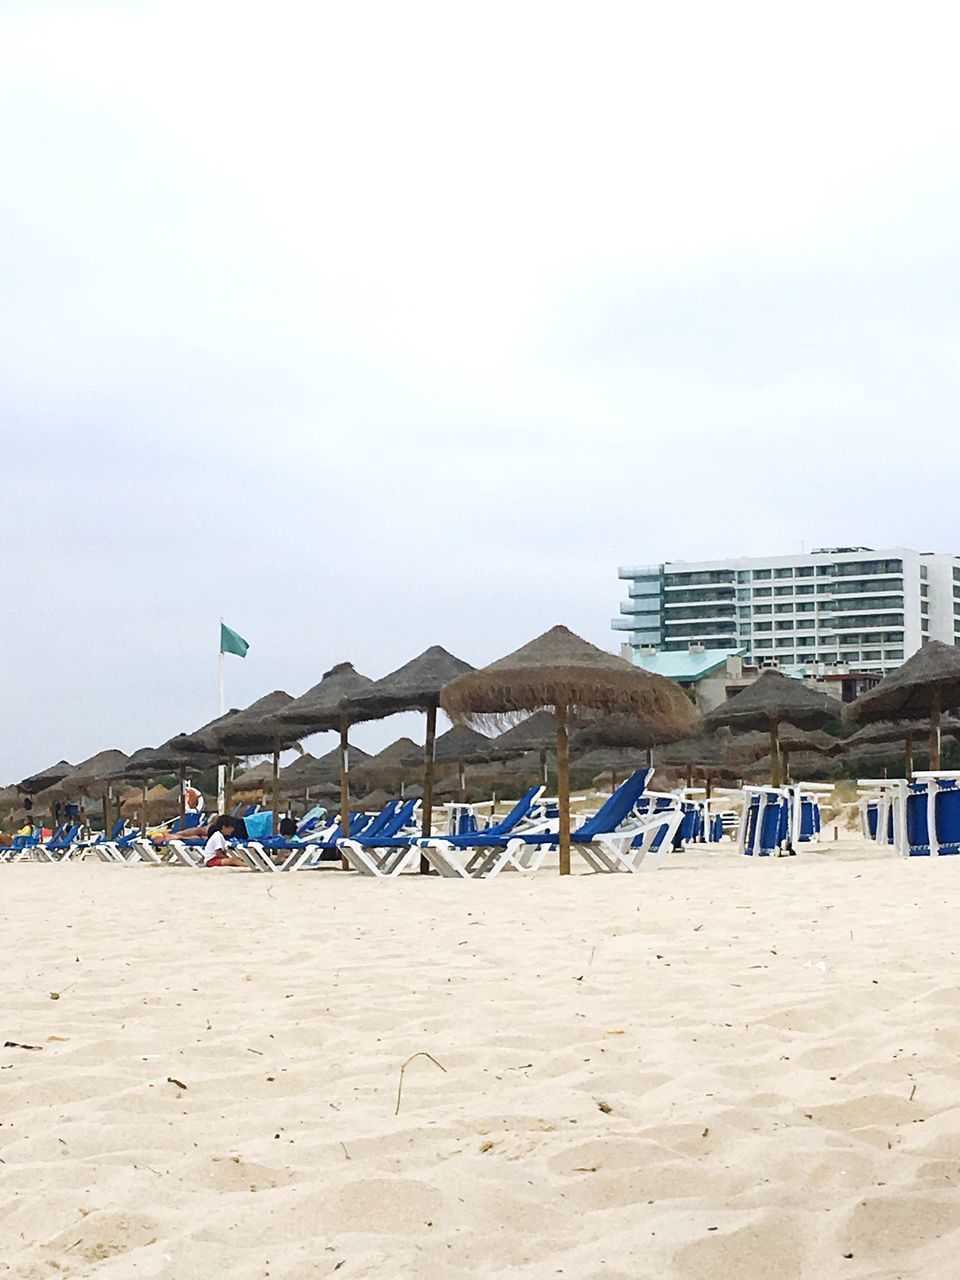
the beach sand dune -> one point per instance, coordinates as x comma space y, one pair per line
720, 1071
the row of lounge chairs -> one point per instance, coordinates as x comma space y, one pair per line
631, 826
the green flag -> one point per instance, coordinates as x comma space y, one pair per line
231, 642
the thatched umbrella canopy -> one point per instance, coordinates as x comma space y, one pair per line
706, 755
144, 765
563, 671
93, 772
325, 707
889, 732
389, 767
375, 800
255, 781
767, 703
927, 684
153, 806
48, 777
811, 766
258, 731
622, 729
613, 762
458, 746
309, 773
537, 732
415, 686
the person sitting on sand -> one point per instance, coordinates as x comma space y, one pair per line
216, 852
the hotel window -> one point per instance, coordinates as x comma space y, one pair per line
827, 658
761, 610
765, 592
806, 607
783, 626
763, 626
871, 655
807, 657
785, 642
783, 608
805, 591
783, 573
763, 644
805, 572
761, 573
783, 591
743, 575
895, 654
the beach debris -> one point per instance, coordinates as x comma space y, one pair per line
413, 1057
486, 1146
605, 1107
54, 995
178, 1083
13, 1044
913, 1093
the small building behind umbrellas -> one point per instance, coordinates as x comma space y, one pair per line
925, 686
562, 671
415, 686
770, 701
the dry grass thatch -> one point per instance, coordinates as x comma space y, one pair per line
415, 686
254, 781
772, 699
48, 777
744, 747
321, 707
537, 732
257, 730
312, 772
927, 681
91, 774
457, 746
559, 669
389, 766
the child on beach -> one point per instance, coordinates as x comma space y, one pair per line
216, 852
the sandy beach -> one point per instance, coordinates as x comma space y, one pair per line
716, 1071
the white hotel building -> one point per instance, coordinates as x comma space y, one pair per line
848, 607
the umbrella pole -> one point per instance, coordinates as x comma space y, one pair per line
613, 781
775, 754
276, 787
429, 750
689, 776
543, 765
785, 755
106, 813
935, 731
461, 782
908, 755
563, 788
228, 788
183, 799
344, 782
143, 811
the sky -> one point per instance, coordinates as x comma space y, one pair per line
369, 327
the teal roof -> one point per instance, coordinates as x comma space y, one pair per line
684, 666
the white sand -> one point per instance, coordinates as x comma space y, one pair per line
761, 1117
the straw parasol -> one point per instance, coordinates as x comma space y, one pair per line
254, 781
772, 699
325, 707
888, 732
415, 686
48, 777
813, 766
560, 670
389, 767
458, 746
613, 763
375, 800
535, 733
706, 754
926, 685
257, 731
307, 772
91, 777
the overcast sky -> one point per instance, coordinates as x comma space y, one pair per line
372, 326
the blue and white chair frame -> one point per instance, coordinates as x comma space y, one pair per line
932, 809
883, 812
764, 823
804, 799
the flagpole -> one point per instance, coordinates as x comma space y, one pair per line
221, 771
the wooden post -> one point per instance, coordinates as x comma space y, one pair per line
785, 757
935, 730
344, 781
775, 754
689, 776
563, 788
461, 782
543, 765
106, 812
429, 750
183, 798
276, 786
908, 755
228, 787
143, 811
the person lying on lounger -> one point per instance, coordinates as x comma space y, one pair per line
216, 852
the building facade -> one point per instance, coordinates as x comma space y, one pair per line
849, 607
